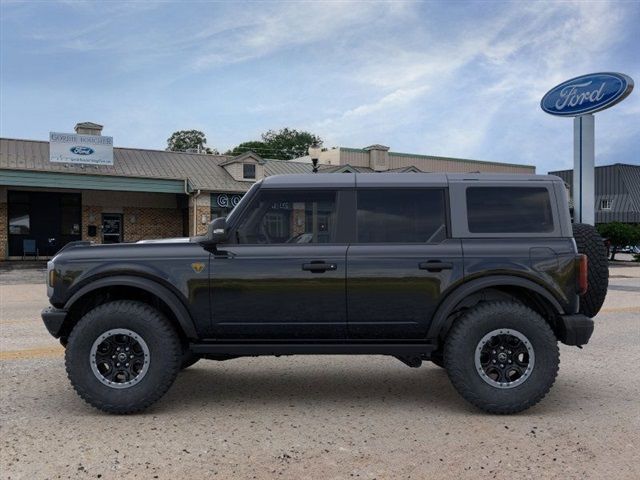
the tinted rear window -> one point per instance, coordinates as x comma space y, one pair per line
509, 210
401, 216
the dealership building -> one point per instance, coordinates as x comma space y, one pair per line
617, 192
79, 187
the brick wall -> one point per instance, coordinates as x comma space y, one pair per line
148, 223
91, 215
203, 211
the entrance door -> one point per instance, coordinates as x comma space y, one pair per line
111, 227
283, 277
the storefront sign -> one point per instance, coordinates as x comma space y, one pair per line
587, 94
224, 201
81, 149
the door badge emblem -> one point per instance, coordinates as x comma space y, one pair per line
197, 267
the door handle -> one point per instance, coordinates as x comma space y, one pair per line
435, 266
318, 266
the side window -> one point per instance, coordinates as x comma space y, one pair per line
278, 217
401, 216
509, 210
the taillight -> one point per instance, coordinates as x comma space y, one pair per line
583, 279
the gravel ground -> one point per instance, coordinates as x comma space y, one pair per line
331, 417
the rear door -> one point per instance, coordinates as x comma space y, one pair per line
401, 262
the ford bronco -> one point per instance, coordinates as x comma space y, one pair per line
481, 274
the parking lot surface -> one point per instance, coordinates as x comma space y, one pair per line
324, 417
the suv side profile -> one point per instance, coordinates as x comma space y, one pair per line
478, 273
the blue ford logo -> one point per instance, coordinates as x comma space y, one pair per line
587, 94
81, 150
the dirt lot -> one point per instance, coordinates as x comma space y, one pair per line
329, 417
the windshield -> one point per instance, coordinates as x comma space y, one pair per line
244, 199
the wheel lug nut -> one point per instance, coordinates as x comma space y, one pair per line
130, 356
113, 356
493, 351
501, 348
501, 365
117, 364
126, 364
494, 360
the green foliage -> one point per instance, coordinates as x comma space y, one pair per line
283, 144
255, 146
184, 140
619, 234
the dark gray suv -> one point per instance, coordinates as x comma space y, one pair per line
481, 274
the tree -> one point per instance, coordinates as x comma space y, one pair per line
184, 140
255, 146
284, 144
619, 235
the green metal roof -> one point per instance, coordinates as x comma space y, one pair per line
26, 178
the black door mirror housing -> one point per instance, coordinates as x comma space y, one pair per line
217, 231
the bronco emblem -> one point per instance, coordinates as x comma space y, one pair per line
197, 267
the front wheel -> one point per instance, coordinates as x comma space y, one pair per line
502, 357
122, 356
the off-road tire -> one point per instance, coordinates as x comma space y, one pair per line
591, 244
463, 340
188, 359
165, 355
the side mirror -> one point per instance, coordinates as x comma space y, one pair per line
217, 231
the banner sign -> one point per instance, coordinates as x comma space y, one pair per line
80, 149
587, 94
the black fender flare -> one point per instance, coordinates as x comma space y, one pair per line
440, 319
167, 296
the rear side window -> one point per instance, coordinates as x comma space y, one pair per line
401, 216
509, 210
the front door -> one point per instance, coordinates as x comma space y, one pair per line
282, 276
401, 263
111, 228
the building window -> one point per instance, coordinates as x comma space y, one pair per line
223, 203
249, 171
605, 204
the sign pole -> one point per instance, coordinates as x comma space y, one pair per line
584, 169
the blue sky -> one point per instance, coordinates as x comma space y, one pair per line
461, 79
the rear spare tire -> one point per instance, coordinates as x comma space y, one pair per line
591, 244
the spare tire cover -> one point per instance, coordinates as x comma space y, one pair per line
591, 244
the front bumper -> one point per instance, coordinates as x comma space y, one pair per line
575, 329
53, 319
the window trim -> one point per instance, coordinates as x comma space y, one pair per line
447, 217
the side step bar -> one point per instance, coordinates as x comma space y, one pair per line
239, 349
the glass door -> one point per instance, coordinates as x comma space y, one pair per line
111, 227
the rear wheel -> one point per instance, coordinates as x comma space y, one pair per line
591, 244
502, 357
122, 356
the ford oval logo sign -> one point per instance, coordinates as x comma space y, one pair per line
587, 94
81, 150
